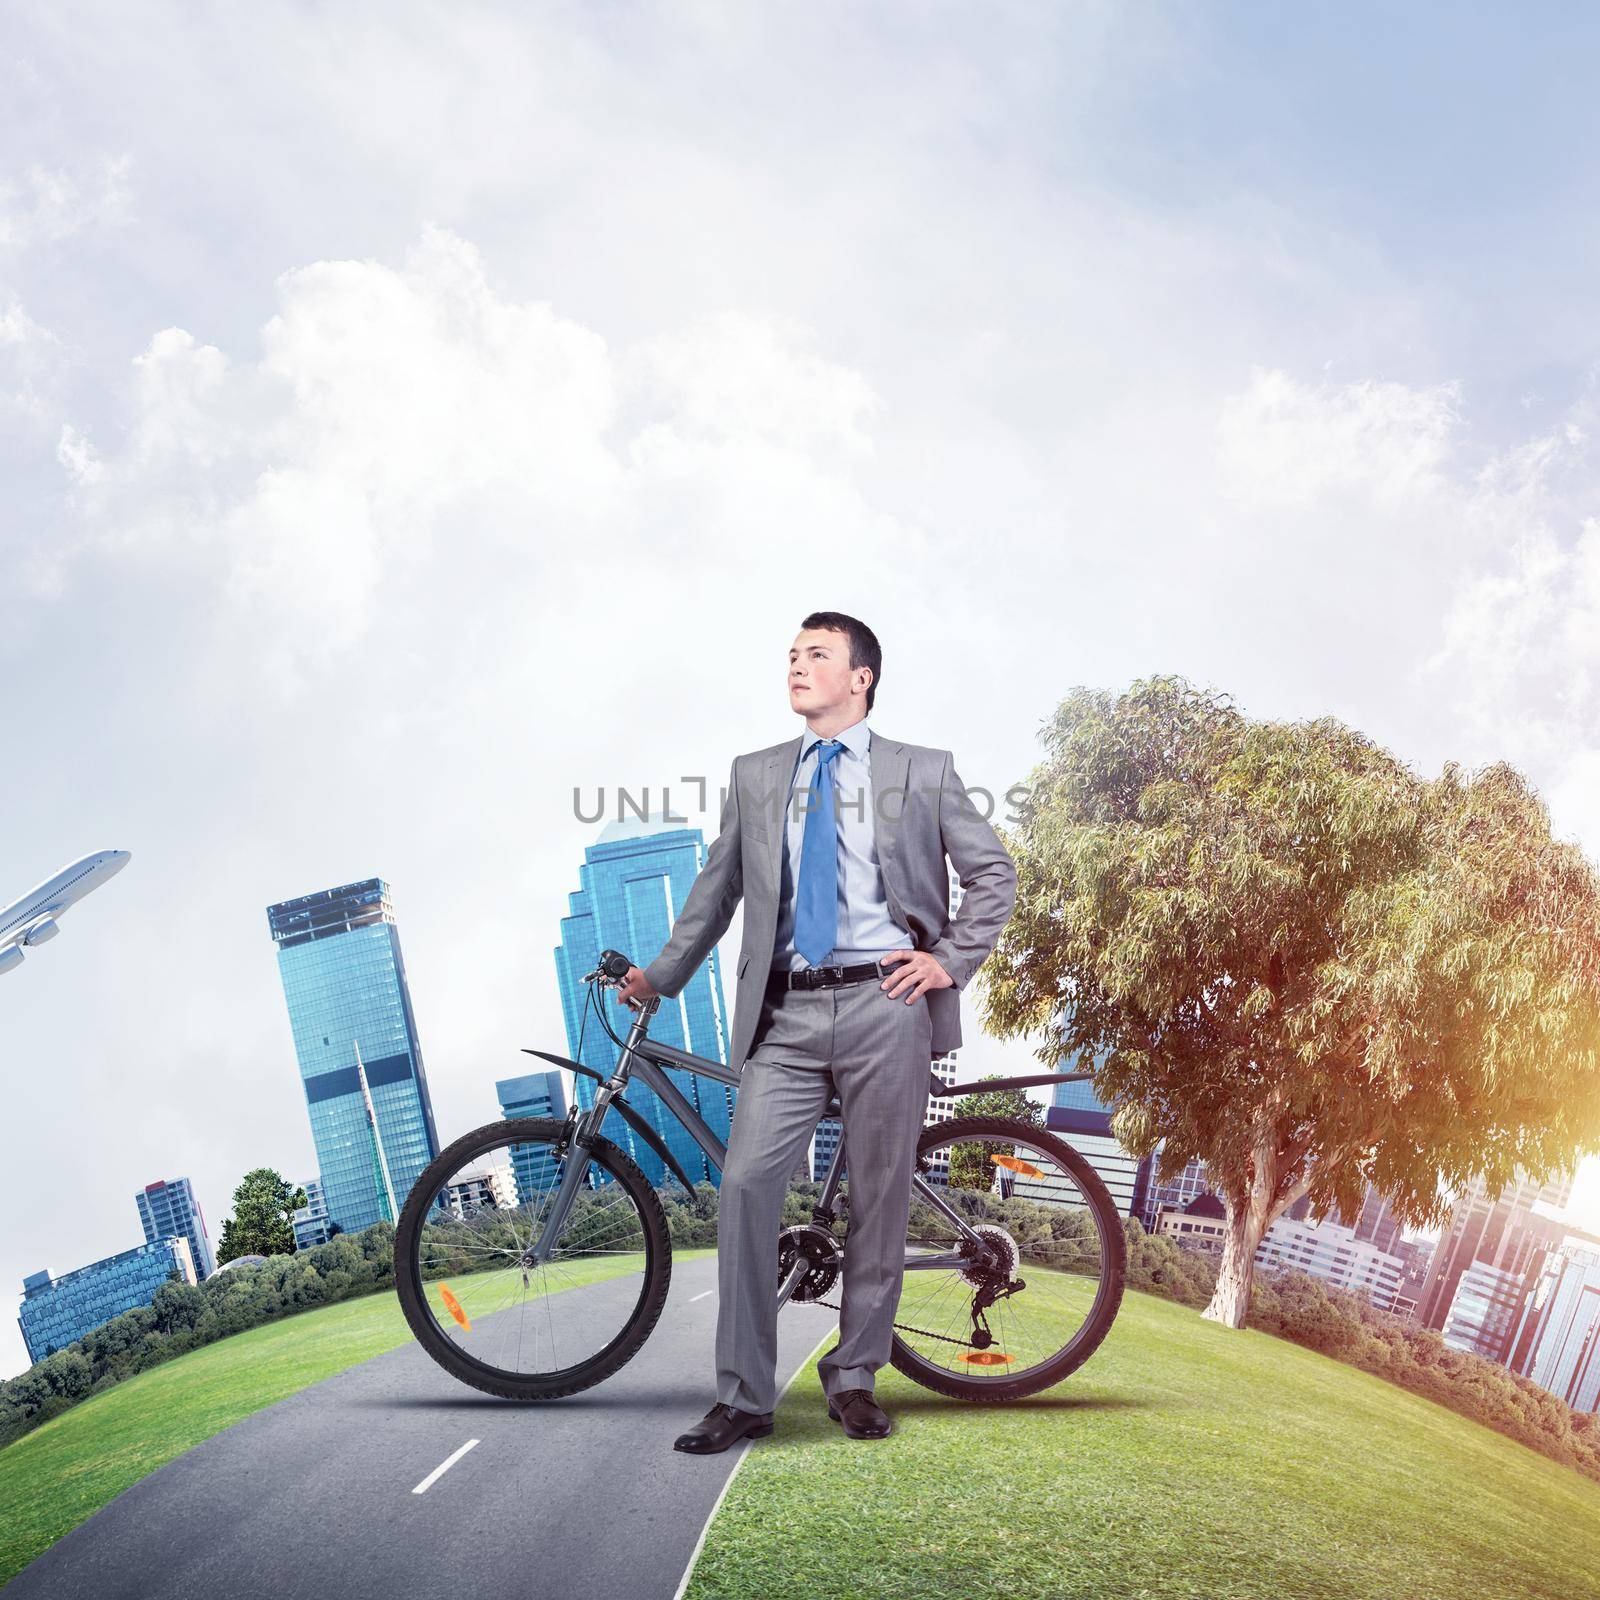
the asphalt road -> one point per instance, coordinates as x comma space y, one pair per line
314, 1497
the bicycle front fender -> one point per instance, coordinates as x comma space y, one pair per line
564, 1061
629, 1115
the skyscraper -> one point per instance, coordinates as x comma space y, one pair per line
1484, 1311
1507, 1233
1080, 1117
634, 879
1377, 1224
169, 1207
1175, 1194
534, 1094
356, 1042
1558, 1342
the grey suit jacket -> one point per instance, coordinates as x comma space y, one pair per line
921, 814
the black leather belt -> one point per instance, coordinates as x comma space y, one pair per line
824, 977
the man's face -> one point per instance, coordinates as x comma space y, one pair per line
819, 672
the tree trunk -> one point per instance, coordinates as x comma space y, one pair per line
1252, 1207
1247, 1223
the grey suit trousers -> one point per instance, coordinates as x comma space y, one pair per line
876, 1050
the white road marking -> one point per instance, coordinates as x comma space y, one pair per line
443, 1467
701, 1296
743, 1447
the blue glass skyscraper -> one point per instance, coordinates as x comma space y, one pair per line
535, 1094
350, 1011
170, 1207
635, 879
56, 1311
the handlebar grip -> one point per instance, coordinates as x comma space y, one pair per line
614, 964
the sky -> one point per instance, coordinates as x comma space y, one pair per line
412, 414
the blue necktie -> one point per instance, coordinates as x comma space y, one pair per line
816, 901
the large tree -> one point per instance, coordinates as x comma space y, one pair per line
1302, 962
261, 1224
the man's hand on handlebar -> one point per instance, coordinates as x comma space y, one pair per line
635, 988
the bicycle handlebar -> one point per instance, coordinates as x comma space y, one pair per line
613, 967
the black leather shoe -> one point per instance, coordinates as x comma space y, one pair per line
862, 1416
721, 1426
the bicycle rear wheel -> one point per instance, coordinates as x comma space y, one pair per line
1050, 1277
473, 1298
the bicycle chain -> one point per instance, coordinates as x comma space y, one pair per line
904, 1327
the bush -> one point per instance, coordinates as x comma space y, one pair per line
183, 1317
1347, 1326
1295, 1306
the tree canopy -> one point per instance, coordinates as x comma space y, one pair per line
1302, 962
261, 1224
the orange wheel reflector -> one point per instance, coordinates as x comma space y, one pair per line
1017, 1164
453, 1306
984, 1358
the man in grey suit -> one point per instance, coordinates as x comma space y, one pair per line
848, 980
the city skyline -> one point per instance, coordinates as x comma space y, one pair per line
656, 842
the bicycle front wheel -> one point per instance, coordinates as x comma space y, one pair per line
477, 1302
1031, 1299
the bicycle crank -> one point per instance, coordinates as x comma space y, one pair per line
820, 1249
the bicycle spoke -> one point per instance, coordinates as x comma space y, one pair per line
1048, 1241
527, 1323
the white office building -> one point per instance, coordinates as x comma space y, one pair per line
1558, 1342
494, 1189
1330, 1251
311, 1220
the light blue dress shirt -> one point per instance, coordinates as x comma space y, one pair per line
866, 930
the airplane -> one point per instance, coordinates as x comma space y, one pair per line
33, 919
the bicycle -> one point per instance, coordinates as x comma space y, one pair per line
529, 1240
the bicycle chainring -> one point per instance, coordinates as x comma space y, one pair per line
819, 1247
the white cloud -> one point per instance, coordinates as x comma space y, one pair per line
43, 206
77, 455
1518, 649
30, 365
1283, 444
1522, 646
392, 407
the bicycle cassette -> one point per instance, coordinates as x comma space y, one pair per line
1008, 1257
818, 1247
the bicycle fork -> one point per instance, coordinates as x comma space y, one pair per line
581, 1131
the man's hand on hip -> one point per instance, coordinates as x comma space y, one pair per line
917, 973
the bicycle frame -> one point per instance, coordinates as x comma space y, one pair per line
647, 1059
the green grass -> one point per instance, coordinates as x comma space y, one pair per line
1183, 1460
57, 1476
